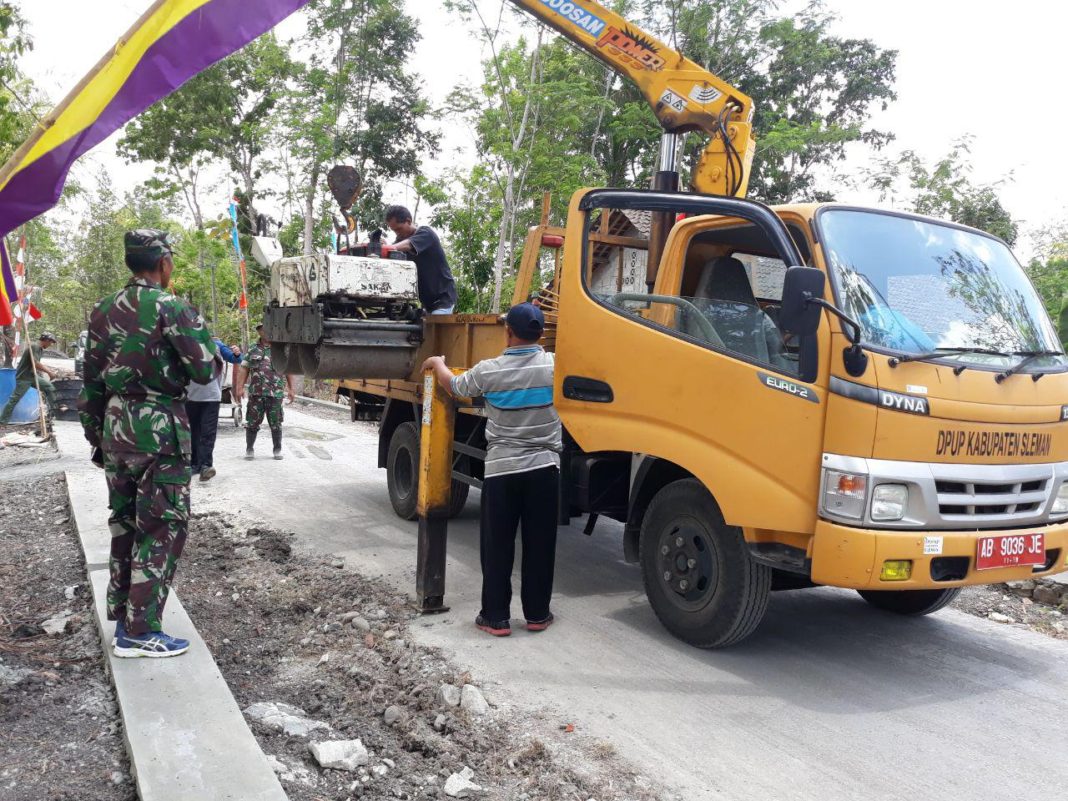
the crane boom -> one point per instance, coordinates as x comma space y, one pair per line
683, 95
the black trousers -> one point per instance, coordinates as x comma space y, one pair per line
527, 500
204, 425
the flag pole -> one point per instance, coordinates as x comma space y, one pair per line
242, 274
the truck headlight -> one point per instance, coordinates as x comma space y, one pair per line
1060, 504
844, 493
889, 501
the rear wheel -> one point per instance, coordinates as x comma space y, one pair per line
910, 602
402, 470
699, 577
402, 475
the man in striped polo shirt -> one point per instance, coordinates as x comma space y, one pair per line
522, 478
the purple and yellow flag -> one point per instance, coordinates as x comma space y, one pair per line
172, 42
8, 290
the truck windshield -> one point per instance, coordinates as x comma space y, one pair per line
917, 286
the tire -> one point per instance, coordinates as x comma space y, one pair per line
458, 498
699, 577
402, 470
402, 475
910, 602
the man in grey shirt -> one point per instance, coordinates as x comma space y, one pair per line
522, 476
202, 405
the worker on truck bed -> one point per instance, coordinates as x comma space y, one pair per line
522, 477
437, 289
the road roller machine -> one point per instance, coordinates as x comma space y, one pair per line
342, 316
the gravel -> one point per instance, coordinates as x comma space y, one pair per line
384, 692
61, 733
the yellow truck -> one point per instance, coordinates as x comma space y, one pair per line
764, 397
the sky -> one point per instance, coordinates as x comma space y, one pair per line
964, 68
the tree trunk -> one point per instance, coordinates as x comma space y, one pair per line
309, 211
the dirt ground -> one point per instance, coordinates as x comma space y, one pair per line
62, 738
308, 632
994, 600
11, 456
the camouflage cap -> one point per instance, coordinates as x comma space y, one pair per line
148, 242
48, 335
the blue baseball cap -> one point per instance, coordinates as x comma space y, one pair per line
526, 321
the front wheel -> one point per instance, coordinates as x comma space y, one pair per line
699, 577
402, 475
910, 602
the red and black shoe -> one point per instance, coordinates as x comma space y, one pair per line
540, 625
501, 628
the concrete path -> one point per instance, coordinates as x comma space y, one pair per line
830, 699
185, 734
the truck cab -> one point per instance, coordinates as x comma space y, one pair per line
910, 443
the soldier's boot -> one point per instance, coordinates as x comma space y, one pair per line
250, 442
276, 436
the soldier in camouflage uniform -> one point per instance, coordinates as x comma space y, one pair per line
266, 388
144, 347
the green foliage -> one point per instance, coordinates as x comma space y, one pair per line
225, 112
814, 91
19, 105
944, 189
355, 101
463, 212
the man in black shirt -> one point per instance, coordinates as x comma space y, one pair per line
437, 289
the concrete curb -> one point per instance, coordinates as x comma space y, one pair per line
185, 734
337, 407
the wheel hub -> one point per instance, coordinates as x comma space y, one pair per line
687, 564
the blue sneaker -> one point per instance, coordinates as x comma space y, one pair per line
152, 644
120, 631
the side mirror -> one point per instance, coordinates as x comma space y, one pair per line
799, 315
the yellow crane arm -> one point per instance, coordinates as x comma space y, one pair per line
683, 95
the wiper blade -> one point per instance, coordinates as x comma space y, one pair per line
1028, 357
938, 352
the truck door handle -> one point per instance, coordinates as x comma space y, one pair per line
591, 390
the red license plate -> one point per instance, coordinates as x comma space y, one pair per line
1010, 550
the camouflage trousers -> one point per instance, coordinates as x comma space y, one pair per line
260, 406
149, 499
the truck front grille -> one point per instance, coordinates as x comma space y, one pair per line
1007, 501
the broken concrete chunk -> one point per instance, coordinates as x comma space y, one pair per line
285, 718
459, 785
57, 624
473, 700
449, 695
1047, 595
339, 754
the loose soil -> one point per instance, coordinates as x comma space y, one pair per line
275, 622
62, 738
1001, 599
13, 456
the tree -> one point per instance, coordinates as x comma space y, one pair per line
945, 189
355, 101
1048, 271
814, 92
20, 104
226, 112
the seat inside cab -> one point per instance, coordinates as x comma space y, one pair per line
734, 280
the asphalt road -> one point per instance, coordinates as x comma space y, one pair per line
830, 699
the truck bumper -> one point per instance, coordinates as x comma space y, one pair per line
853, 557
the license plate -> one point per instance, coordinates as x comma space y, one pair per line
1010, 550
